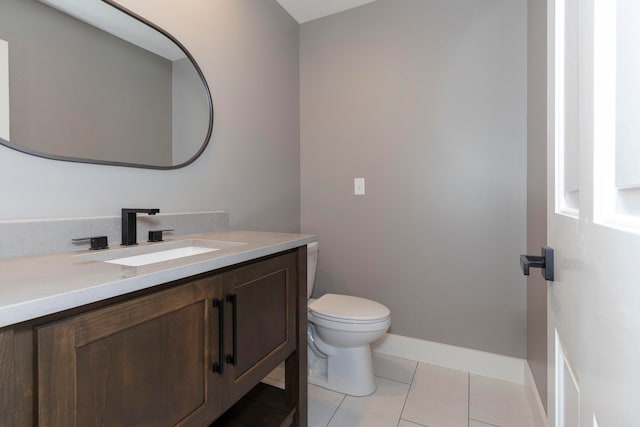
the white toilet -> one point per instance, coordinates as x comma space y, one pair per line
339, 333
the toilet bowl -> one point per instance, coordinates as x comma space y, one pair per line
340, 331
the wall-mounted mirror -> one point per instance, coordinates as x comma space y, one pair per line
90, 81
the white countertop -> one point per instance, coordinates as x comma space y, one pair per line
32, 287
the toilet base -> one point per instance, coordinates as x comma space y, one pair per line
349, 371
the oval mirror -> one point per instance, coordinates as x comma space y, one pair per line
90, 81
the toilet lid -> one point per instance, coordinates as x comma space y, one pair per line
348, 308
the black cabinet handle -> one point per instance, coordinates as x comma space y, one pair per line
233, 357
545, 262
219, 366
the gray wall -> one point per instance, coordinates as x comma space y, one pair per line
425, 99
248, 51
537, 190
81, 92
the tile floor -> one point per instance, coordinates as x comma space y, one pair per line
412, 394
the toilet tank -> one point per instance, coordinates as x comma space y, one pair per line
312, 262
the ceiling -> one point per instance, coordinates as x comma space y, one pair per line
308, 10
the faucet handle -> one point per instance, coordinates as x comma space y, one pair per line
97, 242
156, 235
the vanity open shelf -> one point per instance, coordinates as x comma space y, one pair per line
263, 406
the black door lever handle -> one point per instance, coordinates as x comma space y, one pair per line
527, 261
545, 262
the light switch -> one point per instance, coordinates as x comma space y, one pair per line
358, 186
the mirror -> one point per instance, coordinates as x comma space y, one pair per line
92, 82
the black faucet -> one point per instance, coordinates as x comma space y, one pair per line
129, 229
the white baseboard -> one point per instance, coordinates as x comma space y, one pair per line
533, 396
448, 356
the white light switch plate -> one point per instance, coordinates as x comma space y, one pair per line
358, 186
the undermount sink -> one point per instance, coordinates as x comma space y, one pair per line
169, 254
159, 252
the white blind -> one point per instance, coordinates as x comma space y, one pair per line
627, 94
4, 90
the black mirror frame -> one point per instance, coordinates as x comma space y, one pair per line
207, 137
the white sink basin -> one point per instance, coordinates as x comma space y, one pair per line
169, 254
159, 252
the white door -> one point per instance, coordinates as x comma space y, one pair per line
4, 90
594, 212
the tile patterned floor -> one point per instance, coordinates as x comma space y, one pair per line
412, 394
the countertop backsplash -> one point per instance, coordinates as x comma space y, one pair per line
40, 237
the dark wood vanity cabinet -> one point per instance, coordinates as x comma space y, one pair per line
143, 362
261, 309
180, 356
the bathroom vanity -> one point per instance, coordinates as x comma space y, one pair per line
182, 342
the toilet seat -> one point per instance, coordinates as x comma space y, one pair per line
325, 318
349, 326
348, 309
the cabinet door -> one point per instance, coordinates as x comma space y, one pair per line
144, 362
260, 320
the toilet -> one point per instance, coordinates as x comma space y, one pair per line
339, 333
